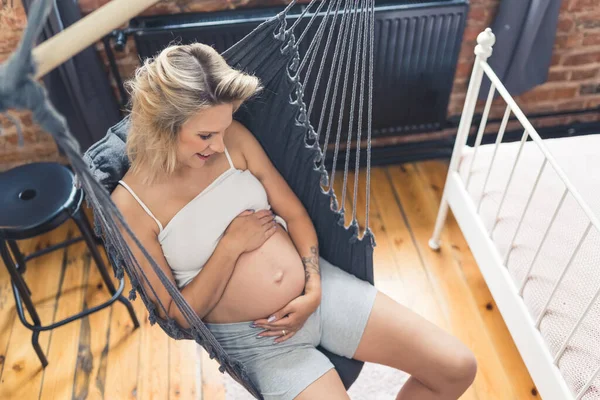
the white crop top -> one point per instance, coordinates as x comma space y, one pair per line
192, 235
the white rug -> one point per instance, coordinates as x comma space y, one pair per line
375, 382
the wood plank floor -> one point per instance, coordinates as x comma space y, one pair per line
102, 357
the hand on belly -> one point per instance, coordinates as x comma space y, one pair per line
263, 282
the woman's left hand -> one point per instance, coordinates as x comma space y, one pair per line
287, 321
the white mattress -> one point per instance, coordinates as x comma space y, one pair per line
579, 157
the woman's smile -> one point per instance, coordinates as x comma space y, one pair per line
203, 156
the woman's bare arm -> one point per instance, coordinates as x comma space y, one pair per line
204, 291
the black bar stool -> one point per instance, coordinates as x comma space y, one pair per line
34, 199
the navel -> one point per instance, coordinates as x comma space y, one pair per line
278, 276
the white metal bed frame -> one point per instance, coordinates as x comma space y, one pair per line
542, 365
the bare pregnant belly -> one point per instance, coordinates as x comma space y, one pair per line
263, 282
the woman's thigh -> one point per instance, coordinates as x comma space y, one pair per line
346, 303
290, 371
329, 386
397, 337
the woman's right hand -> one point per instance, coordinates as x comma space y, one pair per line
249, 230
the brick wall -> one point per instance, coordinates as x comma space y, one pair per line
39, 146
573, 83
574, 77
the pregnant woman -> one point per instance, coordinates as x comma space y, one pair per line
206, 202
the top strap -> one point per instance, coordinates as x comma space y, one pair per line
126, 186
229, 158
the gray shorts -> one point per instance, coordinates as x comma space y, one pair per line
283, 370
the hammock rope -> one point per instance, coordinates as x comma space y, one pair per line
321, 67
336, 54
353, 225
20, 90
370, 110
351, 125
360, 109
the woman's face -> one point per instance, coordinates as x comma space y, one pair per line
202, 135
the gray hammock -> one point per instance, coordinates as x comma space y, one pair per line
280, 118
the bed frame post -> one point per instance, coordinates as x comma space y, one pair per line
483, 51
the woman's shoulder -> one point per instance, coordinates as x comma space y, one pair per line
255, 158
128, 206
236, 142
122, 199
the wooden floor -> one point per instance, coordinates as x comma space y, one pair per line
101, 357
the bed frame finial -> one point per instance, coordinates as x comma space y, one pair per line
485, 41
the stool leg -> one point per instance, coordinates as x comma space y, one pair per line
18, 255
24, 295
38, 349
20, 260
86, 232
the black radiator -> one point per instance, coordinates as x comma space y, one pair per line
416, 51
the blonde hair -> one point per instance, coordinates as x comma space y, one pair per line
168, 90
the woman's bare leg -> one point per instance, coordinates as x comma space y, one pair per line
441, 367
329, 386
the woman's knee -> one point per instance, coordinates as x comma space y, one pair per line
462, 367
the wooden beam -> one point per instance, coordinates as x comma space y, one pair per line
85, 32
